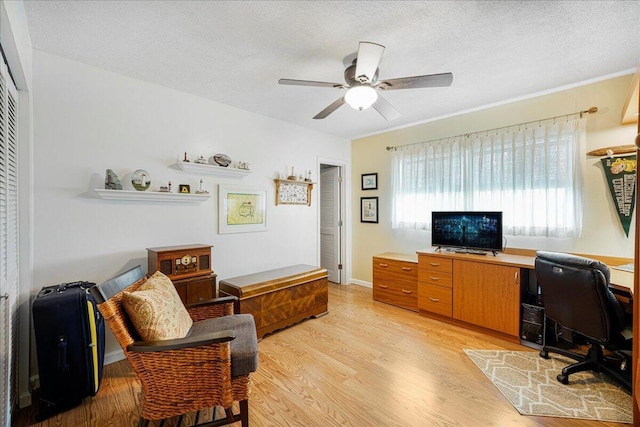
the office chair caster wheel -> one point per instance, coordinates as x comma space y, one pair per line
624, 365
564, 379
544, 354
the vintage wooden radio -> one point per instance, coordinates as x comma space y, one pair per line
180, 262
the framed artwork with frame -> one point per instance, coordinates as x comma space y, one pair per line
370, 181
241, 209
369, 209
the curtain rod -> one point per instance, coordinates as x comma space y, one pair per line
591, 110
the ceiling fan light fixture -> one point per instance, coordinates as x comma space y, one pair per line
361, 97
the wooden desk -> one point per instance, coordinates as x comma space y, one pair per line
485, 290
620, 280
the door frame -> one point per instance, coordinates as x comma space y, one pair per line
344, 210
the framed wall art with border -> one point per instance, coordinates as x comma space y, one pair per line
369, 209
370, 181
241, 209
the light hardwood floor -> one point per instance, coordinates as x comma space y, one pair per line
363, 364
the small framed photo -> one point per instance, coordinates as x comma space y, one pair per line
370, 181
369, 209
184, 189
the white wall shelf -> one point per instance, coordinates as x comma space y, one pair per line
214, 170
151, 196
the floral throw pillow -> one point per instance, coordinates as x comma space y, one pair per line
156, 311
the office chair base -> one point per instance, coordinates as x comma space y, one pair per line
594, 360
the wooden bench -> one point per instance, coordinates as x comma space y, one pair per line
279, 298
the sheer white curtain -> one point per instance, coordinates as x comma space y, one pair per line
534, 174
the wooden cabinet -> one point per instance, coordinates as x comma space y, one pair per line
487, 295
435, 279
395, 280
196, 289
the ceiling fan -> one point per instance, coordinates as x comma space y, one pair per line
362, 83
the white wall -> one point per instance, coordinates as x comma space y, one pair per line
87, 120
602, 232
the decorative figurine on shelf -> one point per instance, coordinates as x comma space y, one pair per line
201, 160
292, 177
166, 188
222, 159
201, 190
141, 180
111, 181
243, 165
308, 178
185, 157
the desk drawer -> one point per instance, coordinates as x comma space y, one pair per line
429, 262
435, 277
435, 299
400, 294
400, 268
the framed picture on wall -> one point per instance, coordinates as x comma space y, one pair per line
369, 209
370, 181
242, 209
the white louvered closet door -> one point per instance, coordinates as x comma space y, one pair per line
8, 243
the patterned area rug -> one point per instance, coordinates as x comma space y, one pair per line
529, 383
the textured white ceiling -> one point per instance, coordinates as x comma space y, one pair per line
234, 52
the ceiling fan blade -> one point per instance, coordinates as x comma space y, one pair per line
431, 80
330, 109
385, 109
311, 83
369, 55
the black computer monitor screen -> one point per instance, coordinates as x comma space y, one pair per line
474, 230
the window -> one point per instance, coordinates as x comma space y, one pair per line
533, 174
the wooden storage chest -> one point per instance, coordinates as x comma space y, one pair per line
281, 297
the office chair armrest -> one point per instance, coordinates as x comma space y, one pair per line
217, 307
182, 343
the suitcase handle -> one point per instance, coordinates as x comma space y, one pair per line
62, 354
64, 286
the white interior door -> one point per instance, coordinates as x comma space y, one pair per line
8, 242
330, 222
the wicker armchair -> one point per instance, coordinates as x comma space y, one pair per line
208, 368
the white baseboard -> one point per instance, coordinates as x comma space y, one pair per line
24, 400
361, 283
114, 356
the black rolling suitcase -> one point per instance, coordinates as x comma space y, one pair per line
69, 332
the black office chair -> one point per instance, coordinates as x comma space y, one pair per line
576, 296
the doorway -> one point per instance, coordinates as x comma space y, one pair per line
331, 220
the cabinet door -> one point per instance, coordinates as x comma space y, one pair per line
199, 291
487, 295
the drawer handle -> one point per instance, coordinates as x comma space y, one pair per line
406, 268
404, 291
383, 265
200, 299
434, 278
434, 299
383, 286
435, 264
